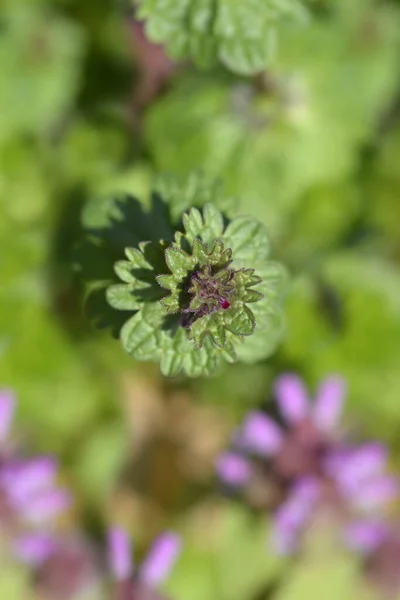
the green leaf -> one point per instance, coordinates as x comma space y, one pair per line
123, 269
122, 297
196, 190
166, 281
218, 333
136, 256
213, 222
141, 333
193, 224
170, 304
46, 73
236, 33
171, 363
195, 317
248, 240
251, 296
199, 330
240, 320
178, 261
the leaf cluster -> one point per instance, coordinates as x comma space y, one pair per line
164, 318
241, 35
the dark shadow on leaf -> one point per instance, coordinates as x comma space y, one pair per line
172, 323
110, 225
150, 294
102, 314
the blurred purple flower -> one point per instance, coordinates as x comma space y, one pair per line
7, 407
139, 583
379, 544
233, 468
305, 462
68, 569
34, 549
291, 516
362, 477
28, 491
295, 450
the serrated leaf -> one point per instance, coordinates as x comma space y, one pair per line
248, 240
202, 318
122, 297
237, 33
199, 330
213, 221
217, 332
240, 320
196, 191
268, 333
193, 223
179, 261
123, 269
167, 281
136, 257
170, 304
199, 253
141, 333
251, 296
171, 363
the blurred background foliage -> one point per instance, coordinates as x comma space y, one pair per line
311, 147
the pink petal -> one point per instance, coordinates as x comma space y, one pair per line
120, 554
292, 398
292, 516
161, 559
34, 549
375, 493
364, 536
329, 403
284, 539
45, 506
233, 469
28, 478
260, 434
7, 409
351, 467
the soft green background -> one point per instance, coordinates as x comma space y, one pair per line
312, 149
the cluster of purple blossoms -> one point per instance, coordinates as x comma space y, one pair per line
305, 463
29, 496
65, 565
141, 583
30, 504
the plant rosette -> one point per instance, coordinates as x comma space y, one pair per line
209, 296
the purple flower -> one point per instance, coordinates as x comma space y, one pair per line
30, 502
362, 476
379, 544
154, 569
7, 407
30, 499
295, 406
290, 518
34, 549
262, 435
120, 554
233, 469
65, 567
30, 489
297, 467
295, 450
365, 536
